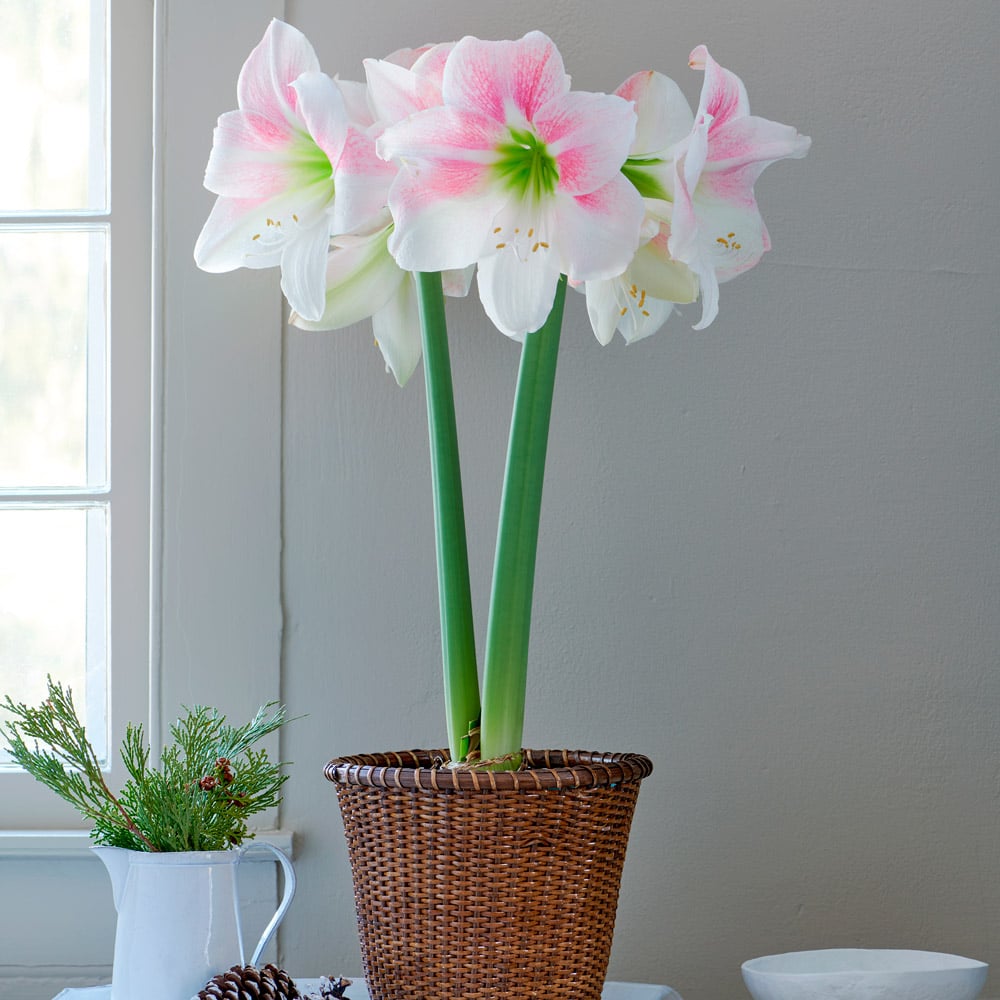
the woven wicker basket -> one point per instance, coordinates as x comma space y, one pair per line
478, 885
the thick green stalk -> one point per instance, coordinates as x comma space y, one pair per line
458, 642
506, 663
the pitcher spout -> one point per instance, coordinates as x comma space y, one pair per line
116, 860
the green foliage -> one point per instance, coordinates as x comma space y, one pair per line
210, 780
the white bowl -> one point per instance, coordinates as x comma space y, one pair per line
864, 974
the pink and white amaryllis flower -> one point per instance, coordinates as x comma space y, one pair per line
638, 302
716, 226
289, 169
516, 173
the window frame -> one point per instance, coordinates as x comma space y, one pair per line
24, 803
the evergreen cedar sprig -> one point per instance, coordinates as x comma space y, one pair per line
210, 780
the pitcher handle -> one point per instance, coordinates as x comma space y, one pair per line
286, 899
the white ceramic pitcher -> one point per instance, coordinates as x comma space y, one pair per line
179, 919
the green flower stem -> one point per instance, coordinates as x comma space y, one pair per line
506, 663
458, 641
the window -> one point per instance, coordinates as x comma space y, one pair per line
75, 223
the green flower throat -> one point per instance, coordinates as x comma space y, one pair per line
525, 166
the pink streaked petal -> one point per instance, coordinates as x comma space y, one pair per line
397, 93
754, 140
282, 55
363, 181
517, 292
439, 133
733, 187
252, 130
491, 78
443, 217
664, 117
405, 58
589, 135
355, 95
431, 61
598, 233
321, 108
723, 95
249, 159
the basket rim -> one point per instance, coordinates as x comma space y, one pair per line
425, 770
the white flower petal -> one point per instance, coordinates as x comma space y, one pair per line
638, 324
456, 283
361, 277
437, 230
517, 294
603, 308
598, 233
661, 277
397, 332
303, 270
664, 114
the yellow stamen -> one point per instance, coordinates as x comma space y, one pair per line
500, 246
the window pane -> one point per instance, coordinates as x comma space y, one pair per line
53, 117
52, 358
53, 609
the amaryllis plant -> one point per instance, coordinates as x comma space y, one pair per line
477, 159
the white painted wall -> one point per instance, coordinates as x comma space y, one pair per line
769, 557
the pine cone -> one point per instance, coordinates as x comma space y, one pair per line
244, 982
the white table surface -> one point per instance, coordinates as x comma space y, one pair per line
357, 991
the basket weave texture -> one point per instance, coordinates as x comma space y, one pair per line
480, 885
